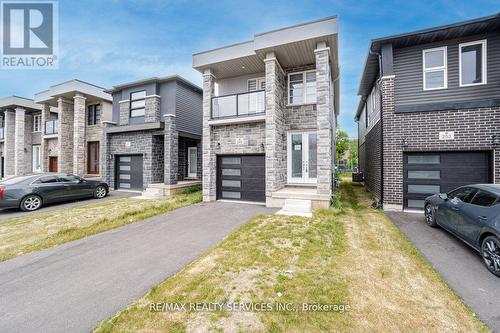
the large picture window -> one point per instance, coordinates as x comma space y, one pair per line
435, 68
94, 114
472, 58
302, 87
138, 104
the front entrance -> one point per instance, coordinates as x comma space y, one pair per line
93, 158
192, 162
302, 158
53, 164
129, 172
37, 158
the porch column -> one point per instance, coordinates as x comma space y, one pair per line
19, 154
9, 143
79, 153
65, 136
43, 143
276, 168
171, 156
325, 120
209, 160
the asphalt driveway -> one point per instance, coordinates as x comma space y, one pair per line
460, 266
73, 287
6, 214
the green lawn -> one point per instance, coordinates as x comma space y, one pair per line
42, 230
349, 255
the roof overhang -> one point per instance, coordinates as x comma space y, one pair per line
13, 102
293, 46
154, 80
68, 90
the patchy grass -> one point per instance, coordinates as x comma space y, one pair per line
349, 255
42, 230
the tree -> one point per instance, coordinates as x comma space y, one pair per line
342, 144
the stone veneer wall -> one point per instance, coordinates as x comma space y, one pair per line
157, 160
79, 142
209, 143
240, 139
152, 109
184, 144
65, 136
9, 141
19, 153
171, 150
28, 144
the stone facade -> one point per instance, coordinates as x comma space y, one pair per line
10, 143
208, 141
19, 153
79, 142
65, 136
152, 109
239, 139
171, 150
124, 112
370, 160
184, 144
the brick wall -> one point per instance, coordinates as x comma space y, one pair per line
372, 163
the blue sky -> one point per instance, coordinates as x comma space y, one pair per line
116, 41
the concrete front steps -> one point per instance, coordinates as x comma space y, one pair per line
296, 195
296, 207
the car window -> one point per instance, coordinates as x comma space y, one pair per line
69, 179
484, 199
464, 194
47, 180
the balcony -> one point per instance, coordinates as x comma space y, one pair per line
239, 105
51, 127
2, 133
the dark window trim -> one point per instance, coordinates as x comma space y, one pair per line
92, 121
135, 100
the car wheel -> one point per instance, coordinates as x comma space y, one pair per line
430, 218
31, 203
490, 251
100, 192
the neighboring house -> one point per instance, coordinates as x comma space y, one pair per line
20, 136
269, 116
429, 115
154, 138
71, 129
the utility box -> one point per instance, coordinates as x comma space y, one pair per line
357, 177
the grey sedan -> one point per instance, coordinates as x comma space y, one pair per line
471, 213
30, 193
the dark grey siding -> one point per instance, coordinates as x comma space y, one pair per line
189, 109
167, 93
124, 94
409, 81
370, 160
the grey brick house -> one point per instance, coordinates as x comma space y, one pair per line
153, 140
71, 116
269, 117
429, 114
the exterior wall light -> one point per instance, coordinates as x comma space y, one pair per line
218, 145
495, 140
404, 143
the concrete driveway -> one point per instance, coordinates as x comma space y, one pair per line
460, 266
6, 214
73, 287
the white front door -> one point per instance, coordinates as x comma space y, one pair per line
192, 162
302, 157
37, 158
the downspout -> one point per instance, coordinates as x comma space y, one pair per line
379, 55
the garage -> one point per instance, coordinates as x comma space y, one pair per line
241, 177
129, 172
429, 173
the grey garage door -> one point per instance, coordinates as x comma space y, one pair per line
429, 173
129, 172
241, 177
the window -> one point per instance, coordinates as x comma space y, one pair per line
231, 160
424, 189
231, 172
414, 203
302, 87
472, 59
464, 194
37, 158
435, 68
424, 174
37, 123
138, 104
423, 159
69, 179
47, 180
94, 114
484, 199
256, 84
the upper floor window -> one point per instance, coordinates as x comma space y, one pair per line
94, 114
472, 58
138, 104
435, 68
256, 84
302, 87
37, 123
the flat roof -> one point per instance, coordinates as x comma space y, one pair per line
155, 80
66, 88
12, 102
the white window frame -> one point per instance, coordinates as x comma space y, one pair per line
484, 66
192, 175
258, 82
436, 69
304, 90
39, 157
39, 122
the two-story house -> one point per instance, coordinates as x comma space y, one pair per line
153, 140
70, 122
269, 117
429, 114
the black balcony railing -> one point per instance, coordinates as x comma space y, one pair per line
1, 133
51, 127
239, 105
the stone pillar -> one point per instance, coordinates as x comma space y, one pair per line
79, 151
19, 154
124, 112
209, 157
325, 120
107, 167
392, 151
276, 170
65, 136
152, 109
9, 143
44, 146
171, 150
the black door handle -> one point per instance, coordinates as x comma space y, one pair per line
482, 218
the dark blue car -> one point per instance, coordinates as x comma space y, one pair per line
471, 213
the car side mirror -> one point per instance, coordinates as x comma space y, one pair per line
443, 196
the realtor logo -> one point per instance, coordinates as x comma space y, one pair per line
29, 34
